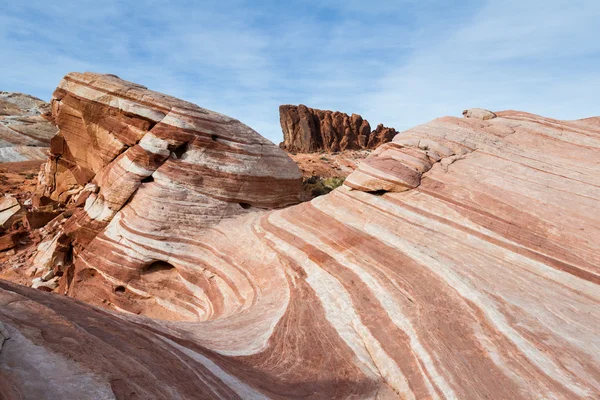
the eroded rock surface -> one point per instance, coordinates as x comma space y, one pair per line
163, 167
460, 260
25, 128
309, 130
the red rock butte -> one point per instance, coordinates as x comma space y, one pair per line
461, 260
308, 130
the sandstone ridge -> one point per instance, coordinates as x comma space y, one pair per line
459, 260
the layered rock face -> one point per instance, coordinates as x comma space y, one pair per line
25, 129
461, 260
308, 130
160, 168
117, 133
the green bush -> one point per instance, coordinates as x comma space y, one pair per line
334, 182
317, 186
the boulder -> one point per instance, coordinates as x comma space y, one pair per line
10, 211
46, 285
51, 252
9, 240
478, 113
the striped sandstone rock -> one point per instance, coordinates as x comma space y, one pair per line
185, 166
461, 260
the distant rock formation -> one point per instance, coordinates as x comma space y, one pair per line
308, 130
25, 129
381, 135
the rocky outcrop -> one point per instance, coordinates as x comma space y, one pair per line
161, 167
119, 135
382, 134
308, 130
458, 261
400, 165
25, 129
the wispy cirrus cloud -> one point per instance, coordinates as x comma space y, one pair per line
399, 62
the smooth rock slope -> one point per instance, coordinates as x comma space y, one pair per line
461, 260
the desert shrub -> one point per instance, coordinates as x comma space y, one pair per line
334, 182
317, 186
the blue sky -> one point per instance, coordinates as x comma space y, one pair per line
401, 62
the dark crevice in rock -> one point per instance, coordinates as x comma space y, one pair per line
157, 266
120, 289
180, 151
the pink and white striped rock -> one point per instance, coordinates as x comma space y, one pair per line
459, 261
184, 167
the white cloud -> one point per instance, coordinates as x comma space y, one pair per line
529, 55
398, 62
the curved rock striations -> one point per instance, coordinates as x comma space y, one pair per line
54, 348
460, 260
116, 134
179, 168
25, 129
308, 130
